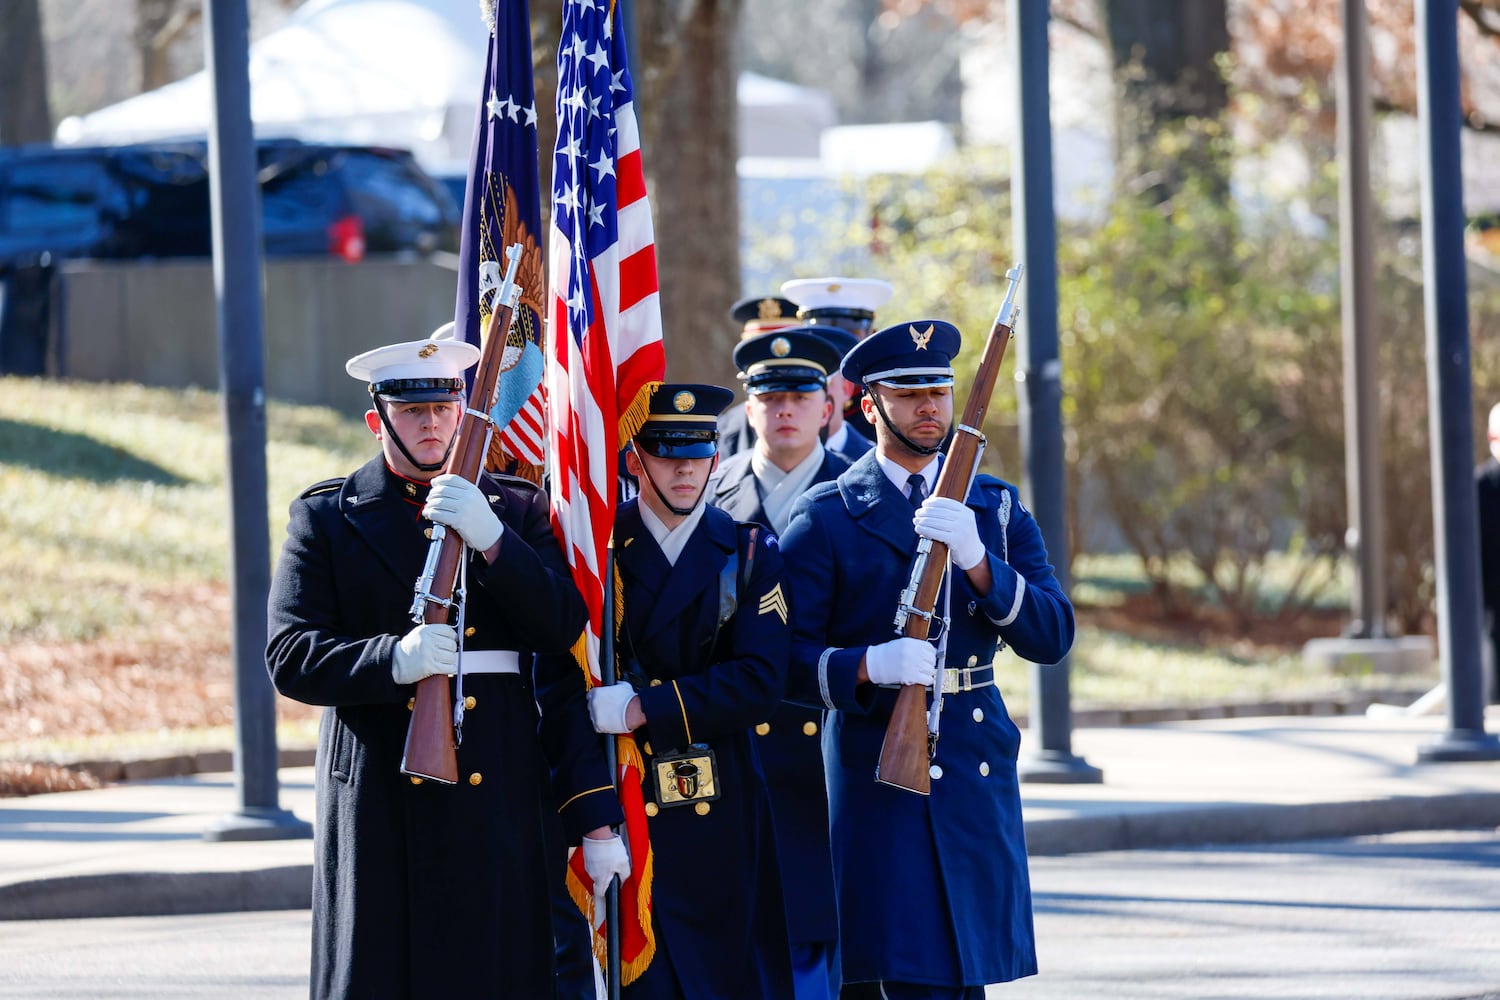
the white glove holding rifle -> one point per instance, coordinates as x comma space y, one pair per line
425, 650
458, 503
953, 524
907, 660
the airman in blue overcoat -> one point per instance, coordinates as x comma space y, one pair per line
420, 889
703, 649
934, 894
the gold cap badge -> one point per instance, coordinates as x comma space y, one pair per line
683, 401
427, 351
781, 347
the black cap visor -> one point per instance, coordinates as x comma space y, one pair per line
786, 379
419, 390
678, 444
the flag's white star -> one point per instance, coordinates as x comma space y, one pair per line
594, 106
596, 214
599, 58
617, 82
531, 115
603, 165
569, 199
493, 105
569, 149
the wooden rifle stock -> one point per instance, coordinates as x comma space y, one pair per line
906, 754
430, 745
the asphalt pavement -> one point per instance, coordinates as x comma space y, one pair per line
148, 847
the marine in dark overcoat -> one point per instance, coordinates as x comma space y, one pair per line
932, 889
421, 889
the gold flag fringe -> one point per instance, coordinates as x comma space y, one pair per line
635, 414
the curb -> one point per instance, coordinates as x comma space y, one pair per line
158, 894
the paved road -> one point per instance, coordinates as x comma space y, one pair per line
1403, 917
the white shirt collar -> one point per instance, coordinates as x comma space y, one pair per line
671, 540
898, 475
779, 490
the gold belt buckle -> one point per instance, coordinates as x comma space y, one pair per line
953, 679
682, 778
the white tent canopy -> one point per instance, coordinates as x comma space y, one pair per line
393, 72
403, 73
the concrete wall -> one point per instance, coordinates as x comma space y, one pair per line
154, 322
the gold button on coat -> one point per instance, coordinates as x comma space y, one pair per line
701, 809
762, 729
646, 748
411, 703
416, 780
468, 631
652, 809
469, 702
656, 682
475, 778
427, 532
810, 728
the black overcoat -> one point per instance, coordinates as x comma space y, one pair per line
426, 890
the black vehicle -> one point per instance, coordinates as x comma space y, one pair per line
151, 200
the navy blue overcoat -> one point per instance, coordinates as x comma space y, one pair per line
790, 744
931, 889
426, 890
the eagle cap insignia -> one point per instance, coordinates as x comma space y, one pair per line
683, 401
834, 288
427, 351
781, 347
921, 337
769, 309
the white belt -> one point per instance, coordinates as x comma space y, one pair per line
490, 661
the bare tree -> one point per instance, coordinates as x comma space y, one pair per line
24, 115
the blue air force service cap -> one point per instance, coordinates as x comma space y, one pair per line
834, 299
905, 355
683, 421
795, 360
763, 313
419, 371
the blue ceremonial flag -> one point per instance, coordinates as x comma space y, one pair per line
502, 205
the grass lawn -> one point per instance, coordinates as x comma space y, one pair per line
114, 628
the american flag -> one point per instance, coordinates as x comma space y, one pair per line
502, 205
605, 358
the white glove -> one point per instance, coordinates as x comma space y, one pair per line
607, 706
456, 502
906, 660
950, 522
603, 860
425, 650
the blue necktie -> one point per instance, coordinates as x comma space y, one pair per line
916, 489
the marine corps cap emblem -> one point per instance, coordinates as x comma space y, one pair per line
781, 347
683, 401
768, 309
427, 351
921, 337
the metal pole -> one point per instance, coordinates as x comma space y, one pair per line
1365, 538
1040, 374
236, 247
1444, 279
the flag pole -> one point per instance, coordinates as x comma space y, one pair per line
607, 676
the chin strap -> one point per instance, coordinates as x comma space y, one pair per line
431, 467
667, 503
908, 442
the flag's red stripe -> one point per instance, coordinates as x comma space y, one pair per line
630, 179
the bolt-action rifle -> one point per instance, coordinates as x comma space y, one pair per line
437, 717
912, 733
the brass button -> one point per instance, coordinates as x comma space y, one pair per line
762, 729
656, 682
469, 702
426, 532
973, 661
475, 778
416, 780
651, 809
646, 748
469, 631
701, 808
810, 728
411, 703
978, 714
984, 769
411, 490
